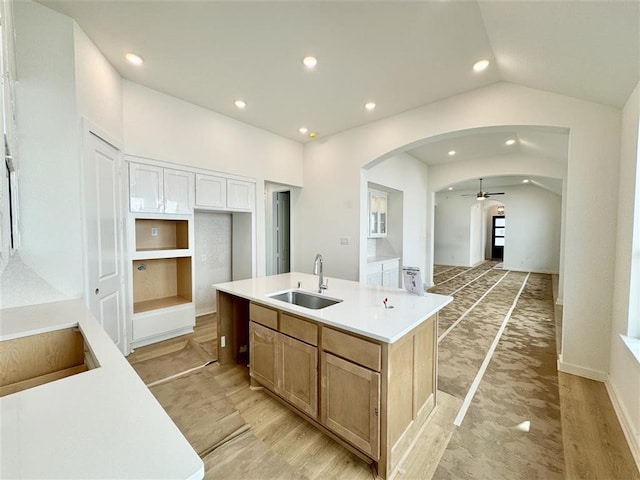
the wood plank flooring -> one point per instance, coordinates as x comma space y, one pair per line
594, 446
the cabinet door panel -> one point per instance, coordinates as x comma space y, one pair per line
241, 194
350, 403
211, 191
178, 191
146, 188
262, 348
298, 374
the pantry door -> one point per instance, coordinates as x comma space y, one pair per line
104, 231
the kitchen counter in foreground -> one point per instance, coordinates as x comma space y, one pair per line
102, 423
361, 311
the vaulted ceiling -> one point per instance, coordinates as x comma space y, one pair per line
400, 55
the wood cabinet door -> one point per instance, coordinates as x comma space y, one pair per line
262, 348
350, 403
211, 191
146, 188
178, 191
297, 379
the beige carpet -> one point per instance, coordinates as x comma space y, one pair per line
184, 384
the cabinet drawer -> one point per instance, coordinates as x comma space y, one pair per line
352, 348
298, 328
263, 315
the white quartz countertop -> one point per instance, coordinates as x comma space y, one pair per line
103, 423
361, 311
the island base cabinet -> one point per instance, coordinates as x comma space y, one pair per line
298, 374
350, 403
285, 366
262, 353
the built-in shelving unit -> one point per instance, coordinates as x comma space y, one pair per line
161, 276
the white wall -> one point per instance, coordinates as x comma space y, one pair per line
532, 235
408, 175
624, 371
49, 149
452, 229
98, 87
212, 257
166, 128
476, 219
330, 202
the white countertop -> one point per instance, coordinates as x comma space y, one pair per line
103, 423
361, 311
378, 259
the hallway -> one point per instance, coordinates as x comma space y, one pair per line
497, 347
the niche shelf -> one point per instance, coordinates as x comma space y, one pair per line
161, 283
161, 234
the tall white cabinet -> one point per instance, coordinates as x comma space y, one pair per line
162, 201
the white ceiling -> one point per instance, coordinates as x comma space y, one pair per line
401, 55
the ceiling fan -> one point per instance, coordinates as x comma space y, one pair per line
482, 195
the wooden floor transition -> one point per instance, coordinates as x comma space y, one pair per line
594, 445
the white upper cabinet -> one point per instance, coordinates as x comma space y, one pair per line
378, 216
160, 190
178, 191
241, 195
146, 188
156, 189
211, 191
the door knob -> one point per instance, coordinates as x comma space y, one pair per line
97, 291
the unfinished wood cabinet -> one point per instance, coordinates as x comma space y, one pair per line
297, 379
282, 361
34, 360
350, 403
262, 354
373, 397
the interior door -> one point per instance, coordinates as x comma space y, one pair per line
497, 237
103, 220
283, 235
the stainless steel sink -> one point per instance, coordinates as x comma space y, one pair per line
304, 299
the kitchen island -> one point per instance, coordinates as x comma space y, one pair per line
363, 372
96, 419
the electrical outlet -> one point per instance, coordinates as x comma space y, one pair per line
344, 240
154, 232
204, 257
223, 341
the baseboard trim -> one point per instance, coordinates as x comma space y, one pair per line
633, 438
581, 371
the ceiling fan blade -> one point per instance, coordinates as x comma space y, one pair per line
469, 195
494, 193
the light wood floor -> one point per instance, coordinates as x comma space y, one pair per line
594, 445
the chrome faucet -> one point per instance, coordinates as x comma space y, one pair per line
317, 270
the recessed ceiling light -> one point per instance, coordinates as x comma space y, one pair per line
134, 59
450, 188
480, 65
310, 62
241, 104
303, 130
526, 180
369, 106
510, 142
451, 153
